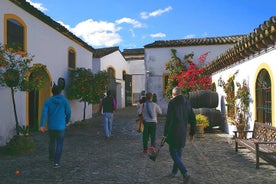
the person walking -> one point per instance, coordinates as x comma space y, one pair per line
57, 111
179, 114
107, 106
149, 110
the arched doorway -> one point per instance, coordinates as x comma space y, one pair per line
112, 81
36, 99
263, 97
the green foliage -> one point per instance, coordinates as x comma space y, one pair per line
186, 74
202, 119
37, 78
24, 130
80, 86
18, 145
86, 86
14, 65
81, 123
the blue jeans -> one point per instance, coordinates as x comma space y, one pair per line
108, 120
177, 162
56, 138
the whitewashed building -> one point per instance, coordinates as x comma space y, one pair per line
252, 59
157, 54
111, 60
52, 45
135, 60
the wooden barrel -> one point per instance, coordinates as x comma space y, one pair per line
203, 99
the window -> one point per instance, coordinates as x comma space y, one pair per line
263, 97
71, 58
111, 73
15, 32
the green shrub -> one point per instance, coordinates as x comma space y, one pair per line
18, 145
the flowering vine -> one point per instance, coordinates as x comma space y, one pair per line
187, 75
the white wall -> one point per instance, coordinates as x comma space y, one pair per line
248, 70
49, 48
116, 61
156, 59
137, 70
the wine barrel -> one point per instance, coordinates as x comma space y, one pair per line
203, 99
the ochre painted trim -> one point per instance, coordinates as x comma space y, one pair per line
112, 68
18, 19
269, 70
75, 59
41, 101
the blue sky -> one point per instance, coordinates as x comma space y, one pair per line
135, 23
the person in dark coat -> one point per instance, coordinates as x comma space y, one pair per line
107, 106
179, 114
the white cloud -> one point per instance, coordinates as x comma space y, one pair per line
135, 23
96, 33
146, 15
158, 35
37, 5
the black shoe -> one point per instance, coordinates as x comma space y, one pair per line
187, 179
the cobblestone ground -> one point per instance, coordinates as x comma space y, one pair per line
89, 158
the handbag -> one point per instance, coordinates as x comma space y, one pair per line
140, 124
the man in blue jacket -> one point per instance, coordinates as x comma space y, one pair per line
179, 114
58, 112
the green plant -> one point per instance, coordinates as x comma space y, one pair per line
24, 130
14, 65
202, 120
229, 89
86, 86
81, 123
18, 145
187, 75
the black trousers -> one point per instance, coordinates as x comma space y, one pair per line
149, 132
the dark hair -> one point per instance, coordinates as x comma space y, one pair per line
56, 89
142, 100
149, 96
108, 93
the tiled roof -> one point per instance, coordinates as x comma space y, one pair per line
260, 39
104, 51
49, 21
134, 54
196, 41
137, 51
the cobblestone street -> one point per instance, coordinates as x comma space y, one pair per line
89, 158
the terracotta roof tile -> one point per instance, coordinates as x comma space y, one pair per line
104, 51
196, 41
260, 39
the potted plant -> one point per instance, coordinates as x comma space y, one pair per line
201, 123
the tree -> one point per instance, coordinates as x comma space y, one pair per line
14, 66
187, 75
86, 86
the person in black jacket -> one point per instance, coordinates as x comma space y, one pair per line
179, 114
107, 106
